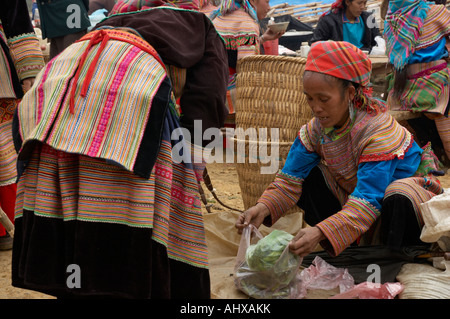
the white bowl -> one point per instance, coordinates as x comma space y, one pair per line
278, 27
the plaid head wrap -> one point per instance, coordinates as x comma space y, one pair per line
335, 7
345, 61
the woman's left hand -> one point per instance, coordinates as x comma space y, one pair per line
306, 241
27, 84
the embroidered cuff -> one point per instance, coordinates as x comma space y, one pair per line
344, 227
281, 195
26, 54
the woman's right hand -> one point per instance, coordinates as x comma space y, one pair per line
254, 215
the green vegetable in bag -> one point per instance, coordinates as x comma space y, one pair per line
264, 255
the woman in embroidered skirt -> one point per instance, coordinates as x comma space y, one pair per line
416, 33
103, 209
350, 165
20, 61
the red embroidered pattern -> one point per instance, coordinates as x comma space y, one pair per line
429, 71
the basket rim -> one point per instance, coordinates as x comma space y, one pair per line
277, 58
262, 142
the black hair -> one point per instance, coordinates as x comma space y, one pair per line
400, 79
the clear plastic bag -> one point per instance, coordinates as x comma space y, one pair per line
265, 268
380, 48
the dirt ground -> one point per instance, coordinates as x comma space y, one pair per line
226, 183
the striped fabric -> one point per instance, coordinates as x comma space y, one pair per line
417, 189
6, 86
443, 127
168, 202
281, 194
426, 89
208, 8
239, 29
435, 27
8, 155
346, 226
109, 121
177, 78
26, 54
379, 137
402, 28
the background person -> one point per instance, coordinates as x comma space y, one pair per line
63, 22
21, 60
348, 21
237, 21
416, 34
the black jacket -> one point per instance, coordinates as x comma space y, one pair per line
330, 27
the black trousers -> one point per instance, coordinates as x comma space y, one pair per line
399, 226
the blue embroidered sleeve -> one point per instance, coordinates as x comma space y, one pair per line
375, 177
299, 161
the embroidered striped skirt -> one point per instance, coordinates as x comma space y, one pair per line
122, 235
8, 155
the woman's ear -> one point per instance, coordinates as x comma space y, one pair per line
351, 91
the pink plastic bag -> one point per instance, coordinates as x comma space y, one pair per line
321, 275
369, 290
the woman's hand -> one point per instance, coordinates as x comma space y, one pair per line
269, 35
27, 84
306, 241
254, 215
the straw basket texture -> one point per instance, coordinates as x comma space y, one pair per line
269, 94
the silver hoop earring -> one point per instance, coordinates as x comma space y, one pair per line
351, 109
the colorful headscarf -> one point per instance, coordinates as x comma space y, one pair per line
345, 61
402, 27
228, 6
335, 7
123, 6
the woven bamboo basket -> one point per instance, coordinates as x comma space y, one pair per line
269, 94
256, 165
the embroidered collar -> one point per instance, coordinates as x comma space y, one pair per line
334, 133
346, 20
